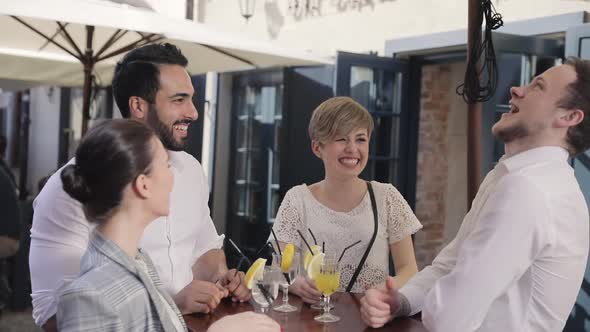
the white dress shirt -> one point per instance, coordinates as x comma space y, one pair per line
59, 236
518, 259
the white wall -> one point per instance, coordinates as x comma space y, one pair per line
172, 8
43, 134
342, 26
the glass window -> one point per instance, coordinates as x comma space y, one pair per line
258, 120
362, 86
585, 48
380, 91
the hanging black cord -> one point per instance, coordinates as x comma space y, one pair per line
480, 85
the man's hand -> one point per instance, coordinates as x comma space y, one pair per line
199, 296
305, 288
245, 321
378, 306
234, 282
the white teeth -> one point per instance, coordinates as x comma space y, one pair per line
181, 127
349, 161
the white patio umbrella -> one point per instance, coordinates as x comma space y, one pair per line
49, 42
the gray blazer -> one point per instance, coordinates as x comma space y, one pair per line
113, 294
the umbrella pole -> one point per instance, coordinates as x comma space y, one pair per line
474, 111
88, 62
87, 90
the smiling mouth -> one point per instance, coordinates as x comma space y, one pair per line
182, 126
513, 109
349, 161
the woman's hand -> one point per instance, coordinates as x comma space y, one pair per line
305, 288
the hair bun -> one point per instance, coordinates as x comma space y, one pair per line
74, 184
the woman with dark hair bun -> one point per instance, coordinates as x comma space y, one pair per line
122, 178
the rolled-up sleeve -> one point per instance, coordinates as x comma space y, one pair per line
417, 287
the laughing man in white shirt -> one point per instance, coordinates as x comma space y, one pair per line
519, 257
150, 84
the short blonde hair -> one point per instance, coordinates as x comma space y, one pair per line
338, 116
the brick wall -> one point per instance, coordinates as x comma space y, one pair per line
433, 164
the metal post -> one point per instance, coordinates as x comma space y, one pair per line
474, 111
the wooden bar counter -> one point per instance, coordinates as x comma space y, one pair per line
347, 308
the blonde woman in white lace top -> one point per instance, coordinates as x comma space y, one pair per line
338, 209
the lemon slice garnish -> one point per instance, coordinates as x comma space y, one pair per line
255, 272
308, 255
287, 260
313, 269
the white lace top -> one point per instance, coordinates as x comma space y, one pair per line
300, 211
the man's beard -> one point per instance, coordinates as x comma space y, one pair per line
511, 133
164, 132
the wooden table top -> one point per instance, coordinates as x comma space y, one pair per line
347, 308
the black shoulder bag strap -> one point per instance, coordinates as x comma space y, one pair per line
366, 254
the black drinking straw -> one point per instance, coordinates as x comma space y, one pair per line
240, 252
239, 264
276, 241
304, 240
271, 247
313, 236
280, 253
286, 275
266, 293
350, 246
264, 246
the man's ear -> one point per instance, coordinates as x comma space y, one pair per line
570, 118
315, 148
142, 186
138, 107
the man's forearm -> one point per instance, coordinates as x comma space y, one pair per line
210, 266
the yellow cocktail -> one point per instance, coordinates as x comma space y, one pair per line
328, 283
326, 274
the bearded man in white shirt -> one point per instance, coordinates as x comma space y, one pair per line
519, 257
150, 84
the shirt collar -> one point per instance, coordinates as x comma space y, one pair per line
175, 158
533, 156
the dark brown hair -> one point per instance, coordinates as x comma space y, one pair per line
578, 97
110, 156
138, 73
